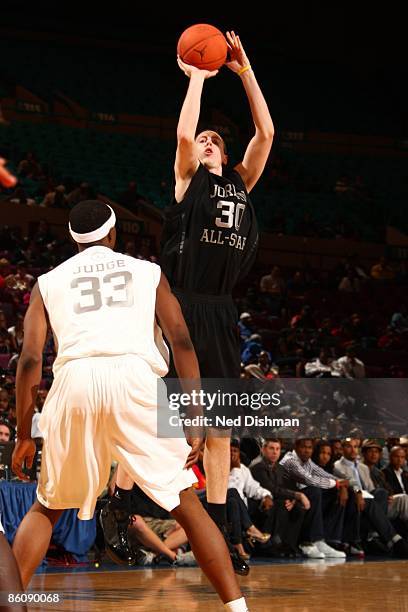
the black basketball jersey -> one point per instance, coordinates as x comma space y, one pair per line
210, 239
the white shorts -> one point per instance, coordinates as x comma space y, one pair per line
99, 409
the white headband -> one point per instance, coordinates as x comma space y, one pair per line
97, 234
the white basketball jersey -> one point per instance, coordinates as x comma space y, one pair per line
103, 303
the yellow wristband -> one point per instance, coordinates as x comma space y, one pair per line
244, 69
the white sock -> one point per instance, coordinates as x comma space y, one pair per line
238, 605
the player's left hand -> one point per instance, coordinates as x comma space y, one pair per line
194, 454
24, 451
237, 55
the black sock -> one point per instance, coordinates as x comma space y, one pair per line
218, 513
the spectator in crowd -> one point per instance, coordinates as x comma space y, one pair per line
390, 340
4, 401
245, 326
5, 431
39, 403
397, 503
372, 503
43, 235
156, 531
159, 538
56, 198
273, 287
337, 450
394, 474
322, 367
6, 339
245, 487
251, 350
354, 264
297, 284
4, 271
404, 444
300, 365
21, 280
399, 320
29, 167
131, 196
382, 271
350, 366
312, 480
273, 283
350, 541
324, 338
262, 370
350, 283
289, 504
304, 319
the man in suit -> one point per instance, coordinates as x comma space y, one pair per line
390, 480
372, 503
289, 504
394, 473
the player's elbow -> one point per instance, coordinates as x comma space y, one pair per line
29, 361
266, 133
181, 341
184, 138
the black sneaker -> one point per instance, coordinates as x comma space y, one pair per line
376, 548
238, 563
115, 534
400, 549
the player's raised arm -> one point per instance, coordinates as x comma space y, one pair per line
259, 147
186, 162
29, 371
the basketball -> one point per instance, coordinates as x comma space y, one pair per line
203, 46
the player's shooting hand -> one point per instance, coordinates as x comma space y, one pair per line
195, 443
189, 70
24, 451
237, 55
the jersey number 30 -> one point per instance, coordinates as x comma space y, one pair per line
93, 295
231, 214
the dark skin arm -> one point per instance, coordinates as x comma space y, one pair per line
29, 371
174, 327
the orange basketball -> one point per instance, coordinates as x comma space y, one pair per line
203, 46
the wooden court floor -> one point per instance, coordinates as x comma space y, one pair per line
311, 586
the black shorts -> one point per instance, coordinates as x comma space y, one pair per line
212, 322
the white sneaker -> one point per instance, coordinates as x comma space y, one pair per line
186, 559
328, 551
144, 557
311, 551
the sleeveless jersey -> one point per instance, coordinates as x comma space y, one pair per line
210, 239
103, 303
